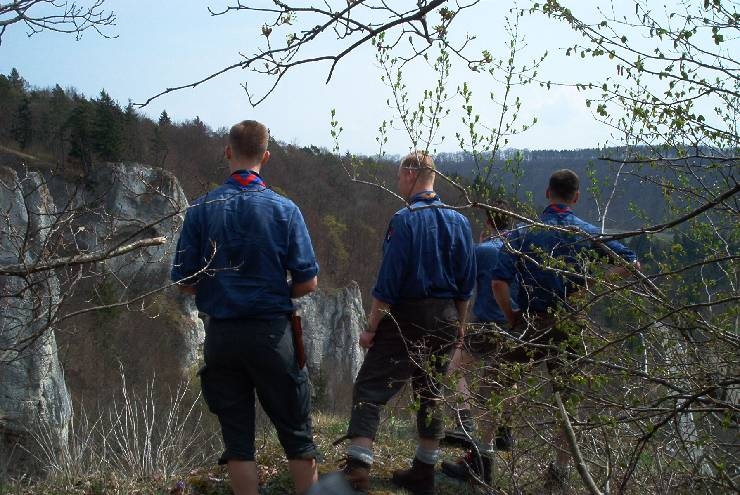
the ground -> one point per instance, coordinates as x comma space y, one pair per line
394, 449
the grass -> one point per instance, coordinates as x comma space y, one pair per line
394, 448
137, 449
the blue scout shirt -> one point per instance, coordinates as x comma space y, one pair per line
427, 253
486, 308
541, 288
244, 237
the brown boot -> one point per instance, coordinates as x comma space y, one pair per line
419, 480
357, 474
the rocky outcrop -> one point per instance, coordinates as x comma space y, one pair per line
143, 329
32, 387
332, 322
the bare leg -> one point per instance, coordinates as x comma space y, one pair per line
429, 443
243, 477
304, 474
363, 442
461, 359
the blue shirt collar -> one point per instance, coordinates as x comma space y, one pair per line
425, 196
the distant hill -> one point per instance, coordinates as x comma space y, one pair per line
524, 174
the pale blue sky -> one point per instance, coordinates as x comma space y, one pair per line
166, 43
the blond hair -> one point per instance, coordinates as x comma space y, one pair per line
420, 161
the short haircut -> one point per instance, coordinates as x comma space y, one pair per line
564, 184
498, 220
248, 139
421, 161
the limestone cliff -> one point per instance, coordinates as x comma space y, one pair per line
32, 386
332, 322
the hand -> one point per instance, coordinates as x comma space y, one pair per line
366, 339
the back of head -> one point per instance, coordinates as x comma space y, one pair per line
564, 184
248, 140
498, 220
420, 161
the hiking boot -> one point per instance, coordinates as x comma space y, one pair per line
357, 473
462, 435
419, 479
470, 467
458, 438
556, 480
504, 439
462, 438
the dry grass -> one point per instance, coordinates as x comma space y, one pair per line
141, 462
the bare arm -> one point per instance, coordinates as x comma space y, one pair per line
502, 295
377, 312
462, 316
303, 288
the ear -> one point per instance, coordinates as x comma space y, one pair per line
547, 193
265, 157
227, 152
576, 197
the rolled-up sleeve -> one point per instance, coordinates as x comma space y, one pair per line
505, 268
617, 247
301, 260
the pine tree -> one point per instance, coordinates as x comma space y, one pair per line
159, 147
79, 125
21, 128
132, 145
60, 107
12, 92
17, 82
108, 128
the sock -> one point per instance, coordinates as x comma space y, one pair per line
360, 453
427, 456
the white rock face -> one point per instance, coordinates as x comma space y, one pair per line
157, 337
32, 387
332, 322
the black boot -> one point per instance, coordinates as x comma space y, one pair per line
556, 480
419, 480
470, 467
504, 439
463, 434
357, 474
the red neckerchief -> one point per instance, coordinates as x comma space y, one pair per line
244, 178
557, 208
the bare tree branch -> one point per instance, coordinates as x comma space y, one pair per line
20, 270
